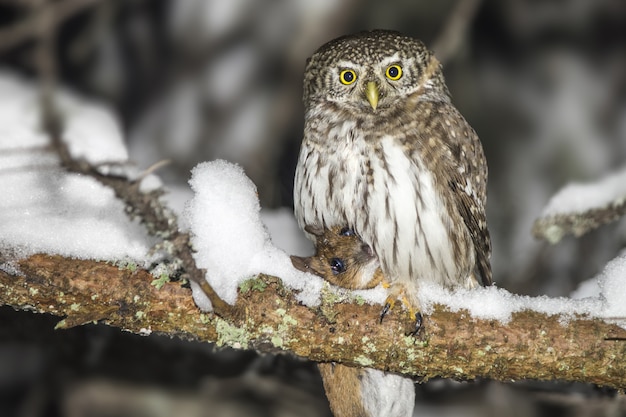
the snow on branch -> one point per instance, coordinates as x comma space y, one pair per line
268, 318
581, 208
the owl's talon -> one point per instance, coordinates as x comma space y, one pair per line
390, 302
419, 320
385, 310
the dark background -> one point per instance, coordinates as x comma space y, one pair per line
542, 82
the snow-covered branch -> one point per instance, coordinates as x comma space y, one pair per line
581, 208
531, 345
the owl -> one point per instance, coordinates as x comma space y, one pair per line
387, 155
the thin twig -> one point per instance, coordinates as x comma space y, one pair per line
454, 30
56, 12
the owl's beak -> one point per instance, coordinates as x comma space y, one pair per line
372, 94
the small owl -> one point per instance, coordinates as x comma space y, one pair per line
386, 154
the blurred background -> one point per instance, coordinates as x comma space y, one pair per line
542, 82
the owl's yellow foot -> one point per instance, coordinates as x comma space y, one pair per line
398, 292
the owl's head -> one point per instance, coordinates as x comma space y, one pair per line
373, 71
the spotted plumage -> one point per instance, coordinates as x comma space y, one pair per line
386, 154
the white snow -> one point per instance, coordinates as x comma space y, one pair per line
92, 132
612, 283
579, 197
493, 303
230, 239
285, 233
602, 297
586, 289
200, 297
45, 209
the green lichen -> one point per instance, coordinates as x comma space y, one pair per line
266, 329
74, 306
289, 320
277, 341
330, 295
160, 281
411, 340
369, 348
255, 284
359, 300
230, 335
363, 361
553, 234
281, 335
125, 264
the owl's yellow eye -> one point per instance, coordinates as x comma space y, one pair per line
347, 76
394, 72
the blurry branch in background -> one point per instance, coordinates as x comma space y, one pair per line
605, 202
454, 345
53, 13
554, 227
455, 29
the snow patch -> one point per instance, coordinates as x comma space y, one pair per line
612, 283
578, 197
601, 297
43, 208
230, 240
493, 303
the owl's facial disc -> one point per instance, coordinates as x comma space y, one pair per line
372, 93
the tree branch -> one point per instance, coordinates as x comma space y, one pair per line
269, 319
577, 208
454, 30
554, 227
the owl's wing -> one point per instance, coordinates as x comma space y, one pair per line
469, 186
473, 214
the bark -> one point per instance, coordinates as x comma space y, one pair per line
267, 318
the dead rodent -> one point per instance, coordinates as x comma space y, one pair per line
344, 260
341, 258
